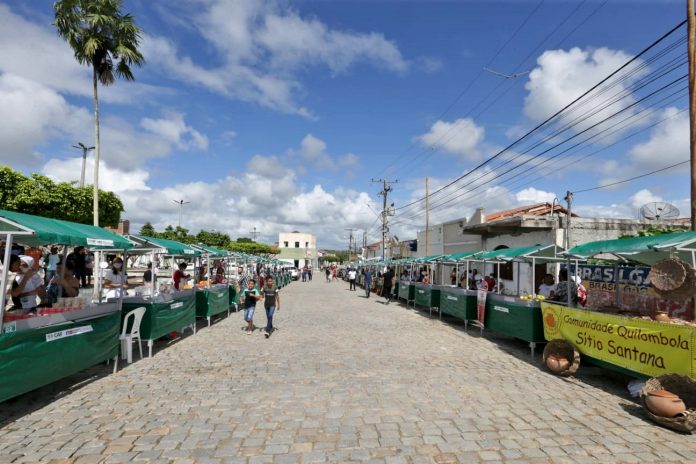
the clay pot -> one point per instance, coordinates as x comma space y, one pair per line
662, 316
664, 404
552, 363
563, 364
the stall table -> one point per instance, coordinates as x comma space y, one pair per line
234, 296
163, 317
407, 291
212, 301
40, 350
459, 303
427, 295
515, 317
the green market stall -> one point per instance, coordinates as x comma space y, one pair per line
36, 350
459, 303
427, 296
515, 315
633, 344
167, 310
212, 300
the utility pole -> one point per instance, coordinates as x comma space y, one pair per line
254, 234
691, 39
85, 149
427, 217
385, 212
569, 214
181, 204
350, 242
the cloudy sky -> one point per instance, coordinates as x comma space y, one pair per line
276, 115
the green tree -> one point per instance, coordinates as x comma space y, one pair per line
147, 230
252, 248
213, 238
41, 196
244, 240
106, 40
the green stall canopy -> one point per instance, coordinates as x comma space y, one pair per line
172, 247
539, 252
36, 231
643, 250
456, 257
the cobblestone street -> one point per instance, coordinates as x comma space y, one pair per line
344, 379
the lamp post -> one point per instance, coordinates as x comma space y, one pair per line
81, 146
181, 204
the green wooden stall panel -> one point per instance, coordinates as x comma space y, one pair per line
427, 296
458, 303
234, 296
28, 361
406, 291
514, 317
162, 318
210, 302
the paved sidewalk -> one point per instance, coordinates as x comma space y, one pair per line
345, 379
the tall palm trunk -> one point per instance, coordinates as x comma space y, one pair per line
96, 290
95, 191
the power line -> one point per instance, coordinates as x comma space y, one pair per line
632, 178
552, 117
475, 78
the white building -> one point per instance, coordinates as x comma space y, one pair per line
298, 249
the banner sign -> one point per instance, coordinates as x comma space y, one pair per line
100, 242
481, 296
646, 347
635, 291
68, 333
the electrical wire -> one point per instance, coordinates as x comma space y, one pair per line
598, 187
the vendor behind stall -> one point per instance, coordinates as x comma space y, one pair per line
547, 286
560, 293
115, 279
64, 281
180, 277
147, 275
219, 276
27, 289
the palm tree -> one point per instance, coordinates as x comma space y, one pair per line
105, 39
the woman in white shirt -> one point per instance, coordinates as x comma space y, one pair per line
547, 286
115, 280
28, 287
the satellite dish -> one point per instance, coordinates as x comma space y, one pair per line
658, 211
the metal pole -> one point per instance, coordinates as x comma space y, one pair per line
569, 199
5, 275
691, 25
153, 277
427, 217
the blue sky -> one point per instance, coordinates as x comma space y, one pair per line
276, 115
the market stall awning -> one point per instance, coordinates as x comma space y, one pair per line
428, 259
211, 251
36, 231
644, 250
169, 247
539, 252
456, 257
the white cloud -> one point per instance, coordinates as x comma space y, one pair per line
173, 128
261, 46
562, 76
267, 197
313, 151
531, 195
630, 208
668, 143
462, 137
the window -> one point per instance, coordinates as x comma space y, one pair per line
297, 244
286, 244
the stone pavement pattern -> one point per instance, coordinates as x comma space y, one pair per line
345, 379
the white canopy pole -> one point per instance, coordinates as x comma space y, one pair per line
5, 275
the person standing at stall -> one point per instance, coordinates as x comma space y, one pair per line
115, 279
352, 274
387, 281
52, 260
251, 295
63, 283
180, 277
560, 294
368, 282
27, 290
271, 303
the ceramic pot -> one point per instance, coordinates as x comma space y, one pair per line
662, 316
563, 364
664, 404
552, 363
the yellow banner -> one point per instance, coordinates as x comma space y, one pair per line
647, 347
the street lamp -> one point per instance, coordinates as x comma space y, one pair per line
181, 204
81, 146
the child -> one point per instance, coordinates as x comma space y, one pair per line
251, 295
271, 298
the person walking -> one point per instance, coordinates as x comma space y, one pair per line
388, 278
251, 295
368, 282
328, 274
351, 278
271, 302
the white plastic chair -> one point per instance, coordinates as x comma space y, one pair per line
127, 339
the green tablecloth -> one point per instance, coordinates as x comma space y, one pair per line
165, 317
210, 302
427, 296
234, 296
458, 302
28, 361
514, 317
407, 291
